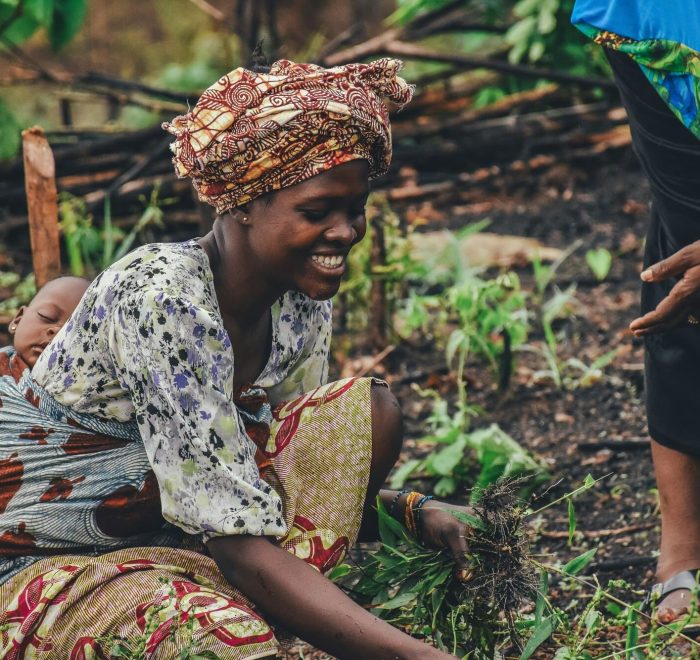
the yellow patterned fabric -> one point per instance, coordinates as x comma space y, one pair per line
165, 601
252, 133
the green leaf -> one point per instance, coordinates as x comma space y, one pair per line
454, 343
592, 620
390, 529
572, 520
577, 564
540, 635
446, 460
632, 652
40, 10
10, 133
68, 18
537, 50
600, 262
541, 596
21, 29
546, 22
398, 479
338, 572
445, 486
401, 600
471, 229
564, 653
605, 359
468, 519
526, 7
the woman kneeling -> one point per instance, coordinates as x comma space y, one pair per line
187, 397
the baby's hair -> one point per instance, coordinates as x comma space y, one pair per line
257, 61
86, 280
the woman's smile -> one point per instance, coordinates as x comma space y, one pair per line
332, 264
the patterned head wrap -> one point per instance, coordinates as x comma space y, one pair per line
251, 133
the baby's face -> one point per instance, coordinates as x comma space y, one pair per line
37, 324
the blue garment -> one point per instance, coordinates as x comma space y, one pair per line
661, 36
56, 494
672, 20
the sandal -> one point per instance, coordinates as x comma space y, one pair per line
688, 580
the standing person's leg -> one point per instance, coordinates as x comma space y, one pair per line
670, 156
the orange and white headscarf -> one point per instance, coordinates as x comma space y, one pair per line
252, 133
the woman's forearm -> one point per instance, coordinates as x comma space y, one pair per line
297, 596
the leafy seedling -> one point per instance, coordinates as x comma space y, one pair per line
599, 261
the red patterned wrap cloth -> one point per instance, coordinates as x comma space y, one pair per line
252, 133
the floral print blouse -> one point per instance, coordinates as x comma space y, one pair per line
147, 343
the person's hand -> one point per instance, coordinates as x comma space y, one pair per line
440, 529
682, 304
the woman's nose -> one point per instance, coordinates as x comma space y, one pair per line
347, 230
342, 231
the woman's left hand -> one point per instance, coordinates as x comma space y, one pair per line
439, 528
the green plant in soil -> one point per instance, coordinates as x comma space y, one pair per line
91, 249
463, 459
472, 316
394, 273
608, 626
549, 305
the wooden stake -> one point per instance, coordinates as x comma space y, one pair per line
42, 205
378, 317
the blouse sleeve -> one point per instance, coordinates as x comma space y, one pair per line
176, 361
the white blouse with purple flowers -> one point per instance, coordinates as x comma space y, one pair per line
147, 343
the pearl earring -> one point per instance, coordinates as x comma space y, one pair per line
13, 327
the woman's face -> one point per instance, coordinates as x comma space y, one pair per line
300, 236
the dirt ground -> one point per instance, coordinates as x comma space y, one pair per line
598, 430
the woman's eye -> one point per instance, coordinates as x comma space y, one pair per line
48, 319
314, 216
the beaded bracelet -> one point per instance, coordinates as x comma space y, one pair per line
395, 500
418, 510
409, 512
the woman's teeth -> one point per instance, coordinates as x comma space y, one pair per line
328, 261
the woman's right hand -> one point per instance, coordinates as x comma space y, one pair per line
682, 304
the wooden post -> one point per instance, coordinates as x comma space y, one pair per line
42, 205
378, 303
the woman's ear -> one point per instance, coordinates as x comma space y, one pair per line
15, 321
241, 214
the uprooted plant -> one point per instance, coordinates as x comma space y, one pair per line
417, 588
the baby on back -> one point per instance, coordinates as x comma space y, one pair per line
37, 323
